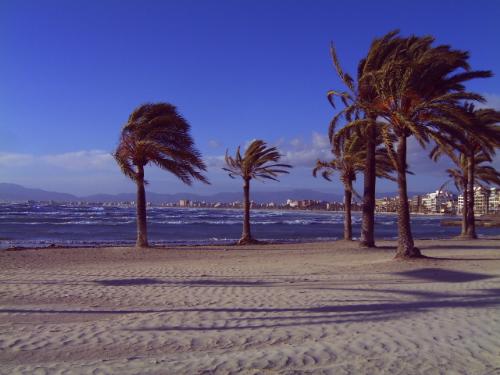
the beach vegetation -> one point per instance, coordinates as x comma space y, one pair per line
259, 162
410, 88
472, 155
349, 159
358, 97
156, 134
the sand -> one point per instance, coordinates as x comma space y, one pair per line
322, 308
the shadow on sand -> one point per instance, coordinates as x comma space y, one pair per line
202, 282
444, 276
449, 246
241, 318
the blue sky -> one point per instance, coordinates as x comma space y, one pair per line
72, 71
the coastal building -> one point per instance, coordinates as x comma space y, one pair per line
494, 201
485, 201
440, 201
416, 204
386, 204
481, 200
460, 204
335, 206
184, 203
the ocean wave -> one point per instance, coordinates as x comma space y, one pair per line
156, 221
386, 222
79, 222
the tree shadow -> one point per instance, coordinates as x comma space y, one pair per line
482, 298
414, 293
305, 321
129, 282
449, 246
447, 276
203, 282
337, 314
460, 259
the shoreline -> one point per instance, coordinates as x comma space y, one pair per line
232, 244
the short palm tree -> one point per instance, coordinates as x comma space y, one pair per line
482, 138
156, 134
483, 175
470, 154
350, 156
259, 162
348, 161
419, 94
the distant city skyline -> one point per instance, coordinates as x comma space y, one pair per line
73, 71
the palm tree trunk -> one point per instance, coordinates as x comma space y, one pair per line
246, 236
471, 222
406, 248
347, 213
368, 220
142, 231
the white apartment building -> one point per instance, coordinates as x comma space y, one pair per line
485, 201
481, 198
494, 200
437, 202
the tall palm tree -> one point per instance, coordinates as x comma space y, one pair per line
419, 94
258, 162
156, 134
359, 98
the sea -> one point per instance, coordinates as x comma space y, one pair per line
39, 225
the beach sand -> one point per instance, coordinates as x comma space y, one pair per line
270, 309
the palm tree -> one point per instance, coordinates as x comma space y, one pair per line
419, 94
156, 134
350, 156
470, 153
359, 99
483, 138
258, 162
348, 162
483, 174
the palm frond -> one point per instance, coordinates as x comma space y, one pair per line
258, 162
156, 133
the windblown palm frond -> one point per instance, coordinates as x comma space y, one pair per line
420, 93
157, 134
258, 162
479, 141
349, 150
484, 175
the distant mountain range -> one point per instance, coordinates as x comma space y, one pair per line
14, 192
